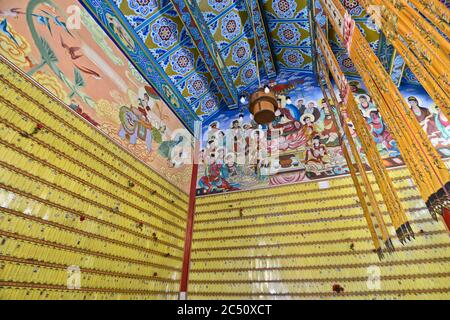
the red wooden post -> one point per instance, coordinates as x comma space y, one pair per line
446, 217
189, 226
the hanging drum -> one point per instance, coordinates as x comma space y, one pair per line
263, 106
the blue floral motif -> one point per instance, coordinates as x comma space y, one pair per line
231, 26
288, 33
209, 103
284, 8
219, 5
346, 63
182, 61
353, 7
241, 52
164, 32
293, 58
143, 7
248, 73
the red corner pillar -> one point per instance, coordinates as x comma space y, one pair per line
190, 224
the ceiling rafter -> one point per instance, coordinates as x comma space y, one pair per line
225, 18
229, 26
256, 53
261, 37
196, 25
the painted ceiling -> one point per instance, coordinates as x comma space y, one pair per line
201, 55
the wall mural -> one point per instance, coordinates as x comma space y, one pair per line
433, 122
64, 49
308, 143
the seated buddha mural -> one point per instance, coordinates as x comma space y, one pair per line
301, 143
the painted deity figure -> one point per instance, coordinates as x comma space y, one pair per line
213, 129
365, 105
329, 131
315, 151
381, 135
376, 125
254, 148
136, 122
215, 178
263, 169
311, 108
213, 138
247, 137
309, 128
300, 104
286, 121
236, 133
424, 116
231, 165
442, 124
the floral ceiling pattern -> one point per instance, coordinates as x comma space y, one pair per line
201, 55
288, 22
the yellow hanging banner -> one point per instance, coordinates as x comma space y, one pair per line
426, 167
424, 50
436, 12
387, 189
365, 181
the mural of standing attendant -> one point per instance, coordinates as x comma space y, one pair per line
424, 116
136, 122
315, 151
330, 129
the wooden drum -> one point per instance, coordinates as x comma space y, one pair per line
263, 106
